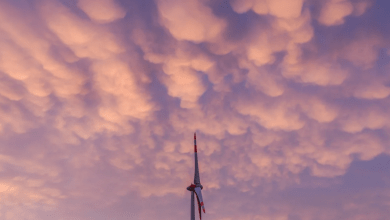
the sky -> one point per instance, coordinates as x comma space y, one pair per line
99, 100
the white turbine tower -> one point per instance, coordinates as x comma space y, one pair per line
196, 188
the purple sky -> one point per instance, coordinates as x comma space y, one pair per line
99, 100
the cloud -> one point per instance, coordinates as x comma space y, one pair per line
98, 102
279, 116
183, 79
285, 9
373, 90
279, 8
84, 38
116, 81
374, 118
190, 20
102, 11
362, 52
333, 12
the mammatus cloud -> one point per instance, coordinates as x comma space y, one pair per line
190, 20
279, 8
98, 101
333, 12
102, 11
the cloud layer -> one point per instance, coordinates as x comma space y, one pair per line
99, 100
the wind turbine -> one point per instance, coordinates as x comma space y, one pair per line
196, 187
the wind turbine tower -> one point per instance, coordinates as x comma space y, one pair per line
196, 187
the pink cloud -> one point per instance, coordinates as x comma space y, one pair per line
334, 11
102, 11
190, 20
98, 102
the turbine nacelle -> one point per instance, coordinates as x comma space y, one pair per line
192, 187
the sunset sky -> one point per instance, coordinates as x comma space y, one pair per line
99, 100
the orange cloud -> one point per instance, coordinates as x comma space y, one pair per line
102, 11
278, 8
190, 20
334, 11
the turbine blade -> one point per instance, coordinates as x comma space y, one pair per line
199, 208
198, 193
196, 177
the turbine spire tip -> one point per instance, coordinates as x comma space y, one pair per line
195, 150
